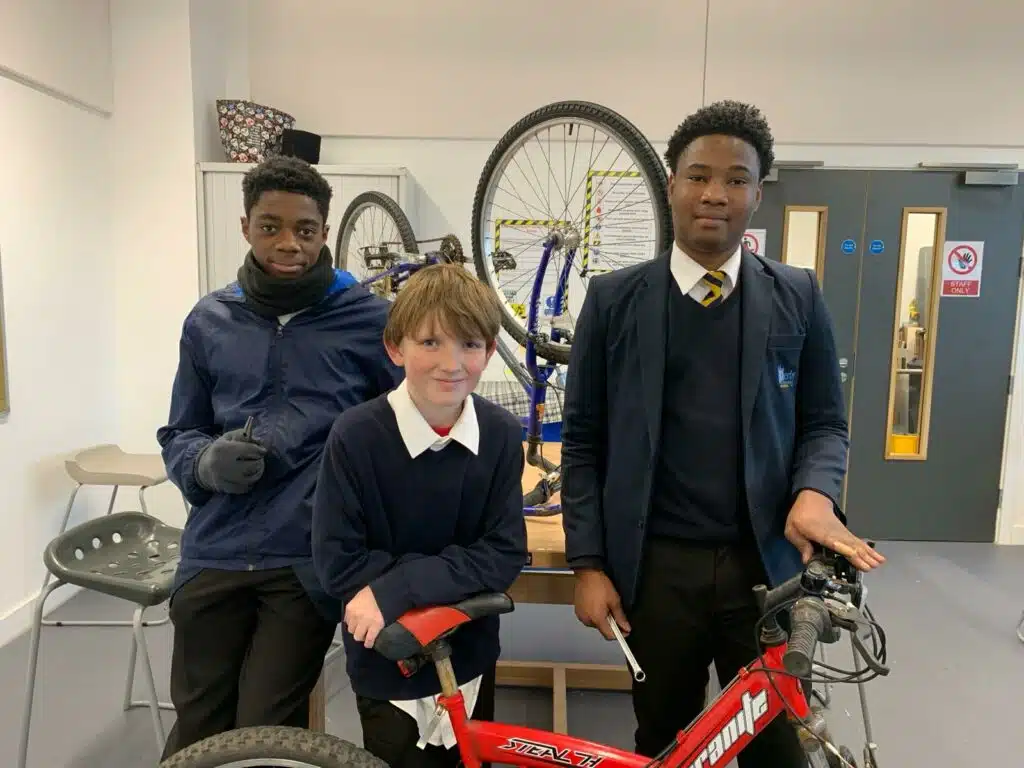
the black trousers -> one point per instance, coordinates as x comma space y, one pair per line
249, 647
391, 734
695, 605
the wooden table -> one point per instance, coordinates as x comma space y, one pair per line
547, 580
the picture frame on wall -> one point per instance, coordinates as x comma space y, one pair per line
5, 400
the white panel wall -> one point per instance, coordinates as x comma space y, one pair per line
875, 71
57, 275
464, 68
60, 45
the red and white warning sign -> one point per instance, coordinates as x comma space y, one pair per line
753, 239
961, 268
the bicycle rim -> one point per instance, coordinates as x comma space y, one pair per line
373, 236
572, 167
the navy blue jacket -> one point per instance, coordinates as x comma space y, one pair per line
294, 380
793, 419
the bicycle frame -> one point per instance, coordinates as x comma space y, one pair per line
718, 734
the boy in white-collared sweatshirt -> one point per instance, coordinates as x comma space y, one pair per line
419, 503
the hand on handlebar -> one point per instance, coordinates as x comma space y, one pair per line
812, 521
595, 599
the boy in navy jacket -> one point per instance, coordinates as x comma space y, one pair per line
266, 365
419, 503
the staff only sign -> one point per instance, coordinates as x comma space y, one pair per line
961, 268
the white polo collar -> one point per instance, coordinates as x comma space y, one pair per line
419, 436
687, 272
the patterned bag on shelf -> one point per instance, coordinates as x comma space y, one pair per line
250, 132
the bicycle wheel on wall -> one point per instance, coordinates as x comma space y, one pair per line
374, 235
572, 167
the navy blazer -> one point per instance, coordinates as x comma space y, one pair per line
795, 433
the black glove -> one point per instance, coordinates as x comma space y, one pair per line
230, 464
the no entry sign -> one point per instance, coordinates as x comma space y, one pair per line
754, 240
961, 268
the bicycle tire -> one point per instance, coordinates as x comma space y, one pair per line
298, 746
628, 136
391, 207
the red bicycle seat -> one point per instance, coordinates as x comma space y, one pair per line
413, 631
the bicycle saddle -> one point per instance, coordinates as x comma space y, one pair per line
415, 630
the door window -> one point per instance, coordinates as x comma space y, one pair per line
803, 237
914, 328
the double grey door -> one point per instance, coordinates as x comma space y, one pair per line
926, 375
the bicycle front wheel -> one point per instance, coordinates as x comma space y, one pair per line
584, 171
273, 747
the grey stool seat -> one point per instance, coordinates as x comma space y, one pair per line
128, 555
110, 466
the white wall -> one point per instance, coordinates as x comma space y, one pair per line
154, 232
219, 41
61, 47
57, 271
875, 71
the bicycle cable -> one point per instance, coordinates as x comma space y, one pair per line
859, 676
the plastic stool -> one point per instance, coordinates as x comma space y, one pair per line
108, 465
127, 555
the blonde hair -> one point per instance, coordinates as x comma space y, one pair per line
449, 297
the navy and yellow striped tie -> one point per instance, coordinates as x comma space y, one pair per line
713, 281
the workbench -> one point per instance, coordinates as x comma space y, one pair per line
546, 580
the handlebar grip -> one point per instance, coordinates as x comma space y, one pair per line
809, 622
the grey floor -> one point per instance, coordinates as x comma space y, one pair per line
953, 698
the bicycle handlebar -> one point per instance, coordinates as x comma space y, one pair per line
825, 597
809, 621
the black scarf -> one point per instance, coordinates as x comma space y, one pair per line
272, 296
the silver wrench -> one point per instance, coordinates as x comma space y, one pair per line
638, 674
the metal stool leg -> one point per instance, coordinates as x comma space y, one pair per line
33, 662
129, 684
154, 704
1020, 628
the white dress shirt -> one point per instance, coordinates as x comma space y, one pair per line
418, 437
688, 274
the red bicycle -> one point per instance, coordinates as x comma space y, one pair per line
827, 598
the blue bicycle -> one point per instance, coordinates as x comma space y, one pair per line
539, 234
388, 259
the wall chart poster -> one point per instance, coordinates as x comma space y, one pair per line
619, 220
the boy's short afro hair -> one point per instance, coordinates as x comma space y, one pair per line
286, 174
728, 118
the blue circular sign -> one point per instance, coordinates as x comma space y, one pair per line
877, 246
848, 246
